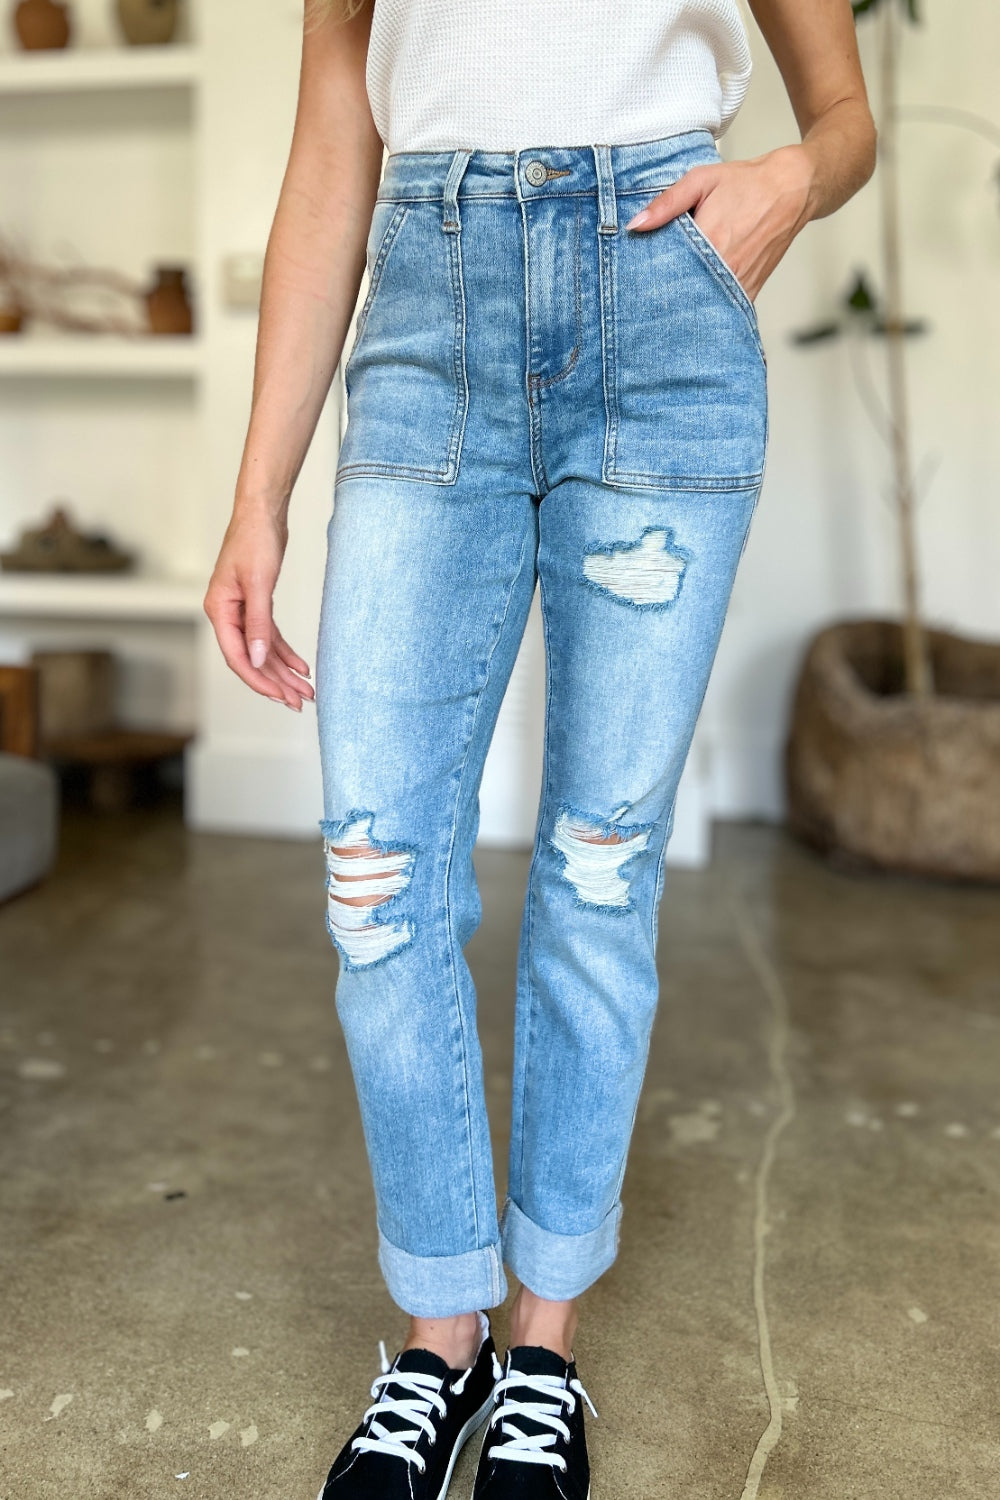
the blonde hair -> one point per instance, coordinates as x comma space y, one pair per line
341, 10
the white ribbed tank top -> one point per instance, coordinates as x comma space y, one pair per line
506, 74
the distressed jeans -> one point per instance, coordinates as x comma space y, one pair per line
535, 395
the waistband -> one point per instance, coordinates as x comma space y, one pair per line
544, 171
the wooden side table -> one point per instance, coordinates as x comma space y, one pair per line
112, 757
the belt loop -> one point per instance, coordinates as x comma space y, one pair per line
459, 162
606, 200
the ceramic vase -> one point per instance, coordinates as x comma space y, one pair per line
147, 22
167, 301
41, 24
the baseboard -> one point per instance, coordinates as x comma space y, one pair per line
253, 790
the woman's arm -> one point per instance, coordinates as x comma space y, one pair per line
752, 210
313, 267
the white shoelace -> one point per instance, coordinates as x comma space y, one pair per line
422, 1395
534, 1448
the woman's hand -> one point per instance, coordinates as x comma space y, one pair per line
238, 602
750, 210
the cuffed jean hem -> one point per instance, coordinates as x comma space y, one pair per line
442, 1286
557, 1266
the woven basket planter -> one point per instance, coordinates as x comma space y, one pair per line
878, 778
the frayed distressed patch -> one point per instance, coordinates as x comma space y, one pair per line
595, 853
362, 875
647, 572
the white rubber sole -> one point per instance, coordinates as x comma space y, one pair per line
475, 1421
472, 1497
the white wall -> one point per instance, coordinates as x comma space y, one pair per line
256, 764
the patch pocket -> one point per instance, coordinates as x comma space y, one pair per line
406, 382
685, 376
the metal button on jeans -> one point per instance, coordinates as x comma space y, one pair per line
536, 173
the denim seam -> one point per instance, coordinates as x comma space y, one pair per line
474, 197
660, 874
652, 140
609, 351
395, 471
538, 382
654, 909
647, 189
459, 367
706, 483
534, 409
447, 879
536, 855
386, 243
723, 274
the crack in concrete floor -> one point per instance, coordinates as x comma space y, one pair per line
781, 1078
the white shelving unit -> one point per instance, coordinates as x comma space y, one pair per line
101, 160
127, 596
128, 157
73, 69
156, 357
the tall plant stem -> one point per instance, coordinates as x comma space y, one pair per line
916, 663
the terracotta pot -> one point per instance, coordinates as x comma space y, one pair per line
880, 778
41, 24
167, 302
144, 22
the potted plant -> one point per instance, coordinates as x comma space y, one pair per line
893, 754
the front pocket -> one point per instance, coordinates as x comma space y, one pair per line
386, 219
406, 382
722, 269
685, 377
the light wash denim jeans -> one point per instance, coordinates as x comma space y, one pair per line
533, 394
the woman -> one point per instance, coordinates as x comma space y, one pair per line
556, 376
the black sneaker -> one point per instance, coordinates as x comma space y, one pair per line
407, 1444
535, 1447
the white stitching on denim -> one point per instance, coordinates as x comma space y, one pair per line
375, 276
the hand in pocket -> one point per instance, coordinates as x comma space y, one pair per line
748, 211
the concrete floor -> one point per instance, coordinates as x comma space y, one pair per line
806, 1302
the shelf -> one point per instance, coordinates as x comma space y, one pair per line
95, 597
72, 69
146, 357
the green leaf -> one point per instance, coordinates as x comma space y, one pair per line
817, 334
861, 298
859, 7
